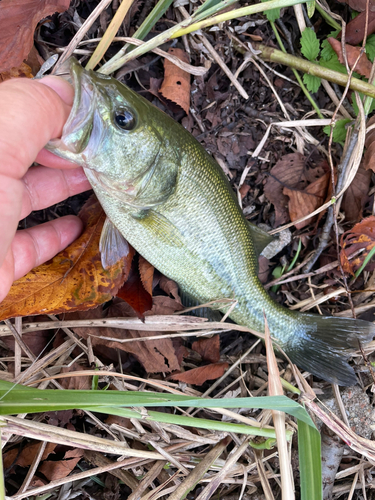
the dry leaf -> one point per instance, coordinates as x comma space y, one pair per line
133, 292
302, 203
61, 468
355, 29
369, 157
74, 280
170, 287
18, 20
209, 349
25, 456
356, 195
363, 66
288, 172
23, 71
361, 236
146, 272
360, 5
76, 383
198, 376
176, 83
155, 355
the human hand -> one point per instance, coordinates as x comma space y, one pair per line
32, 113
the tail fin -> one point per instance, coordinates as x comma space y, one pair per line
323, 344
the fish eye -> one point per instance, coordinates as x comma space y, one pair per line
125, 119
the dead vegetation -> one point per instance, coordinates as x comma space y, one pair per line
254, 118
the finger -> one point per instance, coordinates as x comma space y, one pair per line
48, 159
62, 88
31, 114
34, 246
45, 187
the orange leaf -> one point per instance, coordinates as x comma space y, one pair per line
176, 84
146, 272
23, 71
361, 236
74, 280
363, 66
209, 349
198, 376
134, 293
18, 20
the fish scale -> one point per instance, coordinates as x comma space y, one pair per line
165, 195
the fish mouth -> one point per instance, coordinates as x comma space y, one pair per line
83, 131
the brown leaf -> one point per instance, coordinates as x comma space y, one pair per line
75, 383
198, 376
155, 355
360, 5
302, 203
361, 236
25, 457
35, 341
288, 172
176, 83
244, 189
133, 292
363, 66
355, 29
209, 349
146, 272
170, 287
74, 280
356, 195
61, 468
18, 20
369, 158
263, 269
23, 71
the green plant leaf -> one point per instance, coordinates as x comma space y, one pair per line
312, 82
272, 14
370, 47
335, 65
19, 399
355, 107
310, 8
327, 51
310, 466
339, 131
310, 45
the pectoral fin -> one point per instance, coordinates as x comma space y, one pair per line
160, 227
113, 246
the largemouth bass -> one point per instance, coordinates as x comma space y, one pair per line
169, 199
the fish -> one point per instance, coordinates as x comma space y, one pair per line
168, 198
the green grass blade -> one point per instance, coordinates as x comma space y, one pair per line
200, 423
310, 465
365, 262
20, 399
